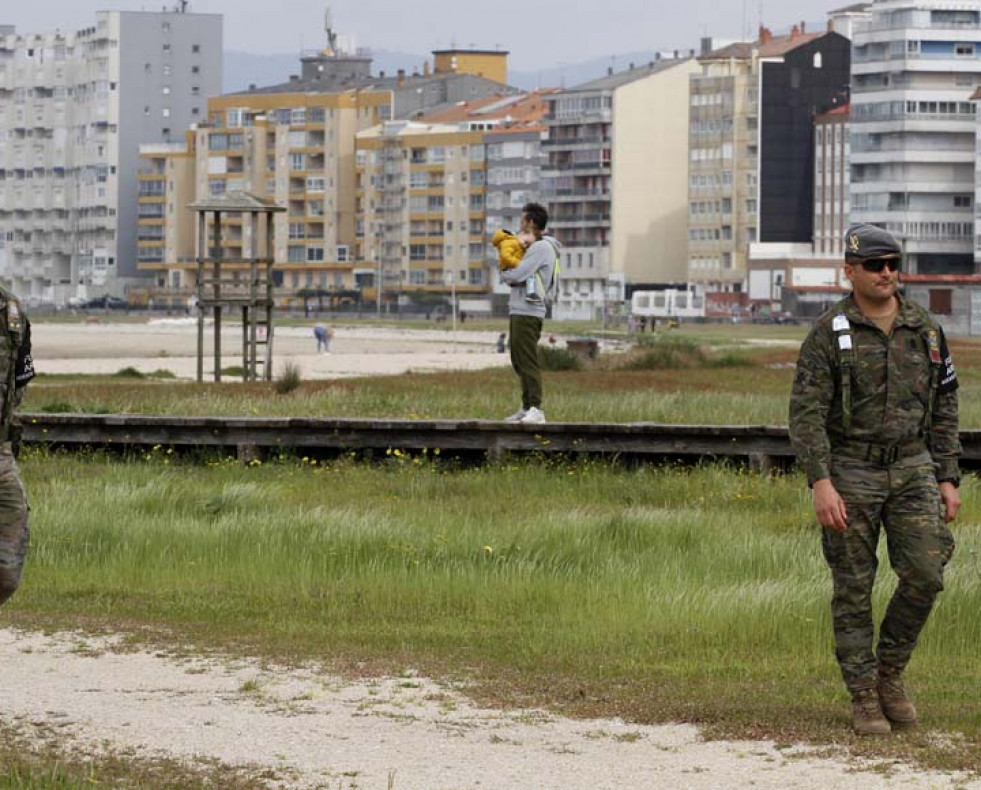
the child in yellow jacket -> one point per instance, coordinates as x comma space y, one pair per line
511, 249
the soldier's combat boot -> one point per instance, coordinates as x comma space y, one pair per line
895, 704
867, 718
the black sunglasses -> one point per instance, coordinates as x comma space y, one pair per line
876, 265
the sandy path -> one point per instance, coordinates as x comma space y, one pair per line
171, 344
317, 730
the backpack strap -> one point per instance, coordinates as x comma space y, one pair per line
553, 289
844, 346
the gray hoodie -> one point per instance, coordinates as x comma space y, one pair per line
539, 257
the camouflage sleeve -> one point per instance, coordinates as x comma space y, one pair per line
944, 439
810, 401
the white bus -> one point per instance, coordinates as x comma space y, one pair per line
669, 303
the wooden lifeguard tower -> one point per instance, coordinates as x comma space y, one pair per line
218, 287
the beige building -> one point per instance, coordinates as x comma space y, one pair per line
648, 241
615, 182
832, 181
722, 181
420, 211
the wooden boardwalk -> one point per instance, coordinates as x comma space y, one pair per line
249, 437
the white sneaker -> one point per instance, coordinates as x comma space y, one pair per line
533, 415
518, 416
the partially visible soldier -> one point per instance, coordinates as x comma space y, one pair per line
873, 421
16, 370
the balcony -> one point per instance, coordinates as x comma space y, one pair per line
576, 142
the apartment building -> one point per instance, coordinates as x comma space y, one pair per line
615, 181
832, 181
295, 143
915, 65
420, 212
513, 133
752, 151
295, 149
74, 109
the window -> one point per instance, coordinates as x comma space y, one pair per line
195, 48
315, 254
941, 301
962, 201
964, 49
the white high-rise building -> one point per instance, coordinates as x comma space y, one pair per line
74, 110
915, 65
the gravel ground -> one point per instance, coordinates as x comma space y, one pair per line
405, 733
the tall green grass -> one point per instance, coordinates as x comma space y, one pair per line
698, 594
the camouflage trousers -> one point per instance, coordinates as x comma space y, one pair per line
14, 532
904, 499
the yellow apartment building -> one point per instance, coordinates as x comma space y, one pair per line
296, 149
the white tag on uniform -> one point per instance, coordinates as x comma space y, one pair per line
840, 322
844, 342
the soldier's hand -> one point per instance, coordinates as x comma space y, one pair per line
829, 506
951, 498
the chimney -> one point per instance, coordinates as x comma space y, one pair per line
609, 71
381, 75
803, 27
831, 26
795, 33
425, 69
401, 78
765, 35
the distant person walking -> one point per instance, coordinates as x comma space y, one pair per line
539, 263
17, 369
324, 336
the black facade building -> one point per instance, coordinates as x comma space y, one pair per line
808, 80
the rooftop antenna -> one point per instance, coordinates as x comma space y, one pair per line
329, 29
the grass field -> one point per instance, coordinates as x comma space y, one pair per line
655, 594
652, 594
753, 390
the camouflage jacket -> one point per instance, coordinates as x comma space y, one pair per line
889, 388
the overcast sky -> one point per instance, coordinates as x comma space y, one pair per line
538, 33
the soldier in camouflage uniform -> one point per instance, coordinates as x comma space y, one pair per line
16, 370
873, 421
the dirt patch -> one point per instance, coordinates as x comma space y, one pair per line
313, 729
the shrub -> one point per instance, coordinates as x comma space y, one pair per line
558, 359
233, 370
730, 359
289, 380
664, 352
162, 373
58, 407
129, 373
